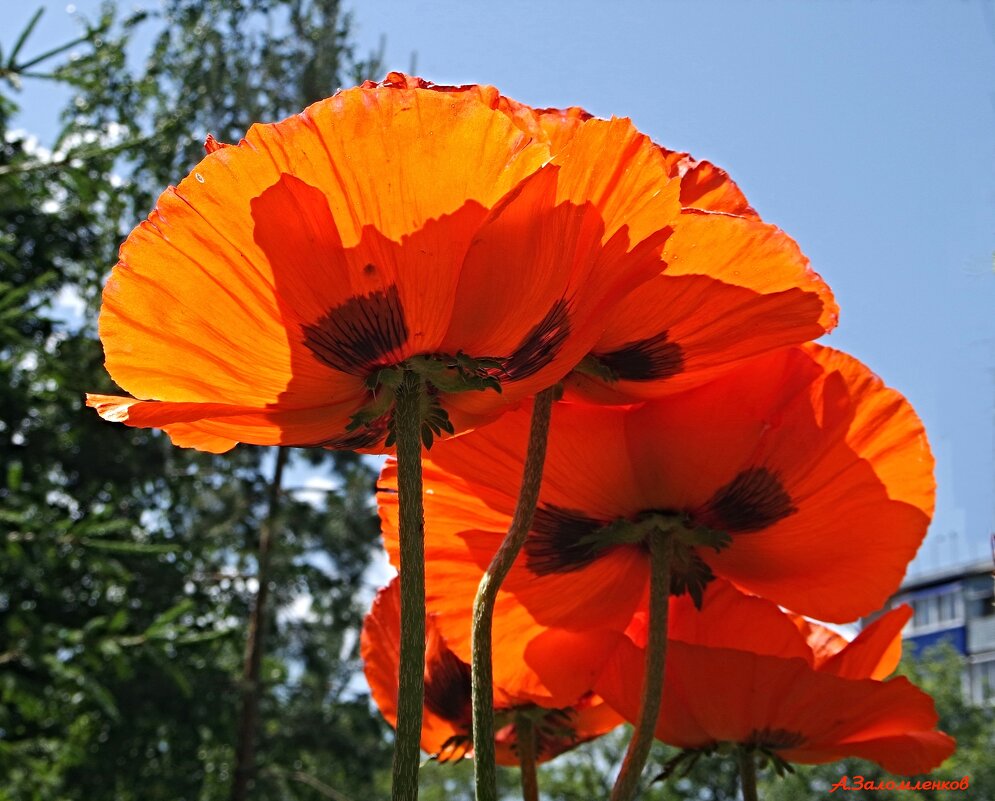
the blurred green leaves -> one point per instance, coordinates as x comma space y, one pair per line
127, 565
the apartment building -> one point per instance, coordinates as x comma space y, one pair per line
956, 606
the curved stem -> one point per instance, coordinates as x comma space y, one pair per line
526, 731
661, 552
484, 765
411, 672
748, 774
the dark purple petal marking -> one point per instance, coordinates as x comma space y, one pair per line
540, 345
356, 336
753, 500
448, 688
644, 360
773, 739
560, 541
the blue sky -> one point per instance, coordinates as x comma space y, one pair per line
866, 130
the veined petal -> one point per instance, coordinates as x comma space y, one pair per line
217, 427
715, 695
732, 288
279, 274
852, 461
875, 652
447, 712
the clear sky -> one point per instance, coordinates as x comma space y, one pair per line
866, 130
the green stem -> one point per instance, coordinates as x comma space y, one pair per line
661, 554
748, 774
484, 765
526, 731
411, 671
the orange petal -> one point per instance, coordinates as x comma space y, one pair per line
568, 242
632, 187
875, 651
844, 469
217, 427
733, 288
543, 252
213, 295
822, 640
463, 531
709, 188
380, 652
714, 695
729, 618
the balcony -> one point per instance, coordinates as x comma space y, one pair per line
981, 634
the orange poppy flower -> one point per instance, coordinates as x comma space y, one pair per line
729, 681
392, 221
820, 475
402, 219
732, 287
446, 722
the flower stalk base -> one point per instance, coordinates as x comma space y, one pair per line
482, 673
661, 544
407, 420
748, 774
526, 731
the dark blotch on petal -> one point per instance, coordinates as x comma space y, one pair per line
356, 336
448, 688
772, 739
556, 732
753, 500
645, 359
540, 346
554, 545
365, 437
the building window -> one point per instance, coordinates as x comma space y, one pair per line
983, 682
938, 611
981, 606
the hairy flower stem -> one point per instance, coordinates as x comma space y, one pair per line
748, 774
661, 553
484, 765
411, 677
526, 731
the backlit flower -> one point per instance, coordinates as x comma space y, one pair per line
446, 722
448, 228
738, 672
731, 286
393, 221
817, 476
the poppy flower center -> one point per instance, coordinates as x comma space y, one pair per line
564, 540
554, 728
769, 739
357, 336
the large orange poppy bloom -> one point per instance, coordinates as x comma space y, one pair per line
819, 473
402, 220
389, 221
446, 721
740, 672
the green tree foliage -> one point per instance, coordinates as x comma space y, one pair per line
127, 566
